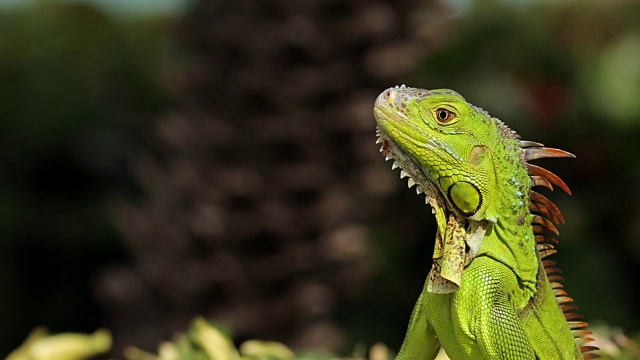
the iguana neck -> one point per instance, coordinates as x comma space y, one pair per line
510, 240
505, 232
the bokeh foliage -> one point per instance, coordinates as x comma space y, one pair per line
85, 96
75, 89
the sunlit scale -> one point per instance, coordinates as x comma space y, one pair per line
462, 193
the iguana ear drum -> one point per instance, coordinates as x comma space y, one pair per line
466, 197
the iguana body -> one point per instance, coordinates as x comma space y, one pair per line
490, 294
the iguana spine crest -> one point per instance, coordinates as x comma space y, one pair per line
544, 228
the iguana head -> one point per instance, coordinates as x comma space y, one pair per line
438, 137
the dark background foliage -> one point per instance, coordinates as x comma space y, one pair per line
221, 161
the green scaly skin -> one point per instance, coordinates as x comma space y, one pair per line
488, 295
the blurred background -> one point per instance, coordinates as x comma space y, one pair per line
164, 159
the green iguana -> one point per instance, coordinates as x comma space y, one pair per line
491, 293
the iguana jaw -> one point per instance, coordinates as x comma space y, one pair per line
409, 168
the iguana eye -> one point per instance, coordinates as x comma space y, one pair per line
444, 116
